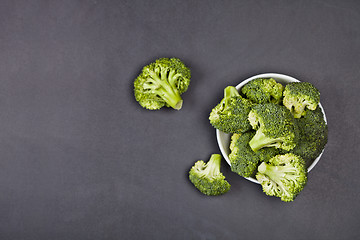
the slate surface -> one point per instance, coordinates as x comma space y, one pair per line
80, 159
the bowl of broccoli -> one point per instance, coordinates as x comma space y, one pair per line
268, 115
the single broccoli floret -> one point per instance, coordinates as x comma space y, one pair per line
263, 90
243, 160
208, 178
231, 114
300, 96
312, 125
161, 83
275, 127
313, 135
309, 151
283, 176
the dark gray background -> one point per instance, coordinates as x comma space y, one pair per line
80, 159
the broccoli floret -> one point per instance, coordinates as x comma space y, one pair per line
230, 115
300, 96
313, 135
243, 160
283, 176
263, 90
161, 83
275, 127
208, 178
312, 125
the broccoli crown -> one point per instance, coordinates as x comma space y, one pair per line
309, 151
207, 176
230, 115
244, 161
263, 90
283, 176
299, 96
161, 83
312, 125
313, 135
275, 127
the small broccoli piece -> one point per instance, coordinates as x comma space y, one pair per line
263, 90
275, 127
313, 135
244, 161
161, 83
299, 96
208, 178
283, 176
230, 115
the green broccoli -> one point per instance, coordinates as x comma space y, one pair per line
313, 135
208, 178
299, 96
263, 90
275, 127
230, 115
243, 160
161, 83
283, 176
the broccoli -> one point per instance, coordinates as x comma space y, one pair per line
243, 160
299, 96
313, 135
161, 83
230, 115
263, 90
275, 127
208, 178
283, 176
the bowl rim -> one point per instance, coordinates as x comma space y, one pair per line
238, 86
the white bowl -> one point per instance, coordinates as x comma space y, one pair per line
223, 139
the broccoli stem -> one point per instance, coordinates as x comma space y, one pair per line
260, 140
163, 88
173, 77
273, 172
212, 168
170, 96
277, 173
229, 92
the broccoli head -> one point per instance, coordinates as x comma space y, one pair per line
263, 90
274, 125
300, 96
283, 176
313, 135
161, 83
231, 114
207, 176
243, 160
